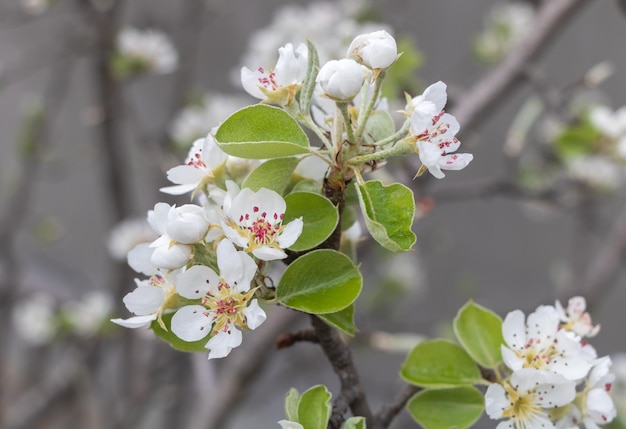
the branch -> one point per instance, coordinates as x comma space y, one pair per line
487, 92
339, 355
388, 412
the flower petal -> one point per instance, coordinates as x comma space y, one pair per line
136, 321
144, 300
255, 315
290, 233
223, 342
197, 281
191, 323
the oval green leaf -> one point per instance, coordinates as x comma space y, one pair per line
173, 340
314, 408
354, 423
458, 408
261, 132
342, 320
439, 364
318, 214
380, 125
479, 330
388, 212
273, 174
322, 281
291, 405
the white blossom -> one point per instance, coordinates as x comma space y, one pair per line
434, 132
524, 399
537, 342
280, 84
574, 318
34, 319
341, 80
204, 162
253, 221
87, 315
376, 50
226, 304
151, 49
149, 301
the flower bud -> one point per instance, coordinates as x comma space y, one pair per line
342, 79
187, 224
377, 50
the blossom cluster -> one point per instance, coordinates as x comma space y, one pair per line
556, 379
194, 267
207, 267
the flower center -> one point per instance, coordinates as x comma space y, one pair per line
260, 229
522, 409
226, 307
268, 80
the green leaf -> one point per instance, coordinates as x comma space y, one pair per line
314, 408
318, 214
173, 340
354, 423
261, 132
388, 212
342, 320
458, 408
578, 139
439, 364
479, 330
291, 405
308, 85
380, 125
320, 282
273, 174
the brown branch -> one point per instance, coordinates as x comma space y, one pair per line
339, 355
487, 92
388, 412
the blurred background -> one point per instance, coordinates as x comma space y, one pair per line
89, 126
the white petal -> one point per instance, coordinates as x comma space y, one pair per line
250, 82
223, 342
455, 161
510, 358
144, 300
514, 330
542, 326
197, 281
170, 257
236, 268
139, 259
136, 321
495, 401
255, 315
186, 175
290, 233
191, 323
600, 374
187, 224
430, 154
178, 189
600, 406
436, 93
422, 116
268, 253
285, 424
